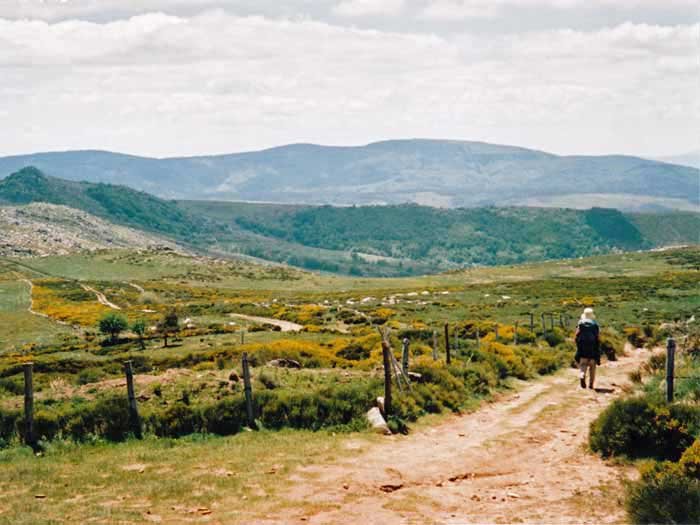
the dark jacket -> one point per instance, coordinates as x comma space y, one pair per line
587, 340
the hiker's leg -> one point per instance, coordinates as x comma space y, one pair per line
582, 367
591, 375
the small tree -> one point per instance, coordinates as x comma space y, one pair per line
113, 324
170, 324
139, 328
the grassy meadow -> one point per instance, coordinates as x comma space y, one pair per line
189, 392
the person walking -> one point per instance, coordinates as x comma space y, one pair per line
587, 347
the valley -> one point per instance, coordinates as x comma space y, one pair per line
310, 416
372, 241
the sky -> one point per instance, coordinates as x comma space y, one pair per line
189, 77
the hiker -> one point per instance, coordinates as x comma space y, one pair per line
587, 347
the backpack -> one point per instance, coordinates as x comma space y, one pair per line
587, 340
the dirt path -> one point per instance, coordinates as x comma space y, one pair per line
30, 308
286, 326
136, 287
101, 298
521, 459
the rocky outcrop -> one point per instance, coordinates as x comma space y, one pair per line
41, 229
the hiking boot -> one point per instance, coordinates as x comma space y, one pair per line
591, 387
583, 383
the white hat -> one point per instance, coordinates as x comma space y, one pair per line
588, 314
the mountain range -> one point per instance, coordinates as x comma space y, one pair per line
438, 173
391, 240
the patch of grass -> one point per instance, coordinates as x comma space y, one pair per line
237, 478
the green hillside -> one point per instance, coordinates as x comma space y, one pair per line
406, 239
393, 240
117, 204
669, 228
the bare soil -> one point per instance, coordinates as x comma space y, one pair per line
285, 326
520, 459
101, 298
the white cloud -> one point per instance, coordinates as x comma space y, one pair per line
175, 85
369, 7
461, 9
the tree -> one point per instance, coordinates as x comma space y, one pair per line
139, 328
170, 324
113, 324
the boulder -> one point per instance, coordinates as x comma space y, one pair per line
376, 421
285, 363
415, 377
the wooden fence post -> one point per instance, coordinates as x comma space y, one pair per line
670, 367
242, 336
386, 357
248, 390
544, 325
551, 322
404, 355
133, 408
448, 358
478, 339
435, 345
532, 322
496, 330
29, 437
515, 333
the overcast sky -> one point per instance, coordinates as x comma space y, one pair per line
187, 77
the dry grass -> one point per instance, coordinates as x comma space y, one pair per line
221, 480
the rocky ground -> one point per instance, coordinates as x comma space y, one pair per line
41, 229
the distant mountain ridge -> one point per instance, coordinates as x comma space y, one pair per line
432, 172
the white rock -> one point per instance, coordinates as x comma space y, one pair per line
377, 422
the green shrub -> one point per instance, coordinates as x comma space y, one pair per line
555, 337
611, 344
636, 428
225, 417
664, 495
107, 417
690, 461
268, 380
510, 361
13, 385
90, 375
9, 419
657, 362
179, 419
354, 352
635, 336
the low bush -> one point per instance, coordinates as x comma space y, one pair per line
611, 344
13, 385
513, 357
90, 375
664, 494
179, 419
9, 419
637, 428
354, 352
268, 380
554, 337
690, 461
